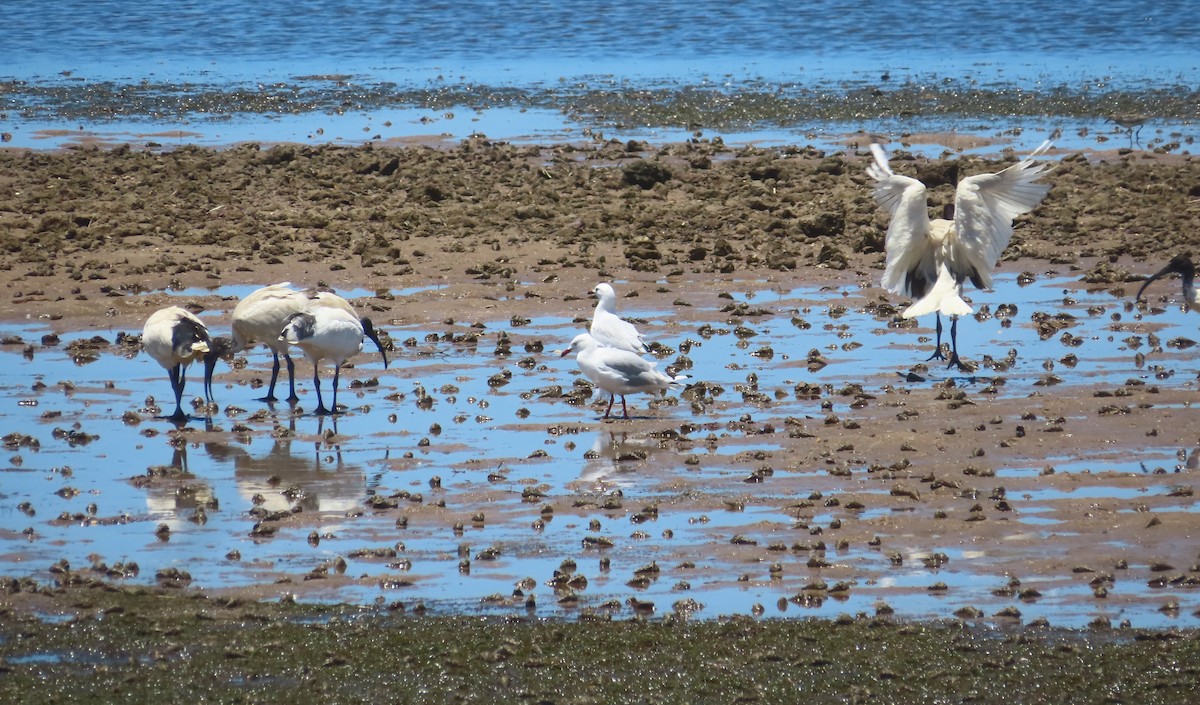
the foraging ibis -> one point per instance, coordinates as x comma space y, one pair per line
175, 338
328, 330
1182, 265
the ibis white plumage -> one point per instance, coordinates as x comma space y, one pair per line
326, 330
610, 330
931, 259
261, 317
618, 372
1182, 265
174, 337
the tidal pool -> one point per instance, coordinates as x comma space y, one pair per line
463, 481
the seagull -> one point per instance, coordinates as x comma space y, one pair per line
931, 259
618, 371
1182, 265
175, 338
328, 330
261, 316
609, 329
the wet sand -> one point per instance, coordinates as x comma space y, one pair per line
489, 233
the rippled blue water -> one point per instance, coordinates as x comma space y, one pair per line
545, 39
553, 47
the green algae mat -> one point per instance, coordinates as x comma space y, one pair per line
99, 643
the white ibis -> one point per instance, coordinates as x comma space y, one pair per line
328, 330
261, 316
931, 259
1182, 265
609, 329
175, 338
618, 371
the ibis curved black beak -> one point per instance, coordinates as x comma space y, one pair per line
369, 331
1180, 264
219, 348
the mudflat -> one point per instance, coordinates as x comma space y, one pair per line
489, 235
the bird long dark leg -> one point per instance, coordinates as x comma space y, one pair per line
624, 410
274, 376
176, 375
292, 398
937, 346
317, 386
612, 399
337, 372
954, 361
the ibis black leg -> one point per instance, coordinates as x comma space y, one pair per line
317, 386
937, 346
274, 377
176, 374
292, 398
954, 361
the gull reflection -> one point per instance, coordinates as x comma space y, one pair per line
615, 459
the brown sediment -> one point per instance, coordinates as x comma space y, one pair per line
83, 231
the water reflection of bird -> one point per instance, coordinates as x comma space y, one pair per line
175, 338
1182, 265
618, 371
609, 329
282, 479
931, 259
323, 331
613, 457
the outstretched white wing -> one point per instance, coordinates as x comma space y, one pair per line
909, 247
985, 207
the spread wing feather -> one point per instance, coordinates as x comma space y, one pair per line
909, 247
985, 207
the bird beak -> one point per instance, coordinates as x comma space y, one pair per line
369, 330
1170, 268
219, 347
564, 352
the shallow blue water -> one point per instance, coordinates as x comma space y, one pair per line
545, 40
474, 438
822, 46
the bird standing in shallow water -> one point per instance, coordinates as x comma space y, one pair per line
609, 329
175, 338
328, 330
618, 371
1181, 265
931, 259
261, 316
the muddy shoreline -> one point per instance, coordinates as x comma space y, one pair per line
484, 236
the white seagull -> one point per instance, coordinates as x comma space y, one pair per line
175, 338
930, 259
618, 371
609, 329
261, 316
328, 330
1182, 265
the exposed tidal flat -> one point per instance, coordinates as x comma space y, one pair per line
356, 109
1078, 432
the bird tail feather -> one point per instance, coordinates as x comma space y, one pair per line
943, 298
